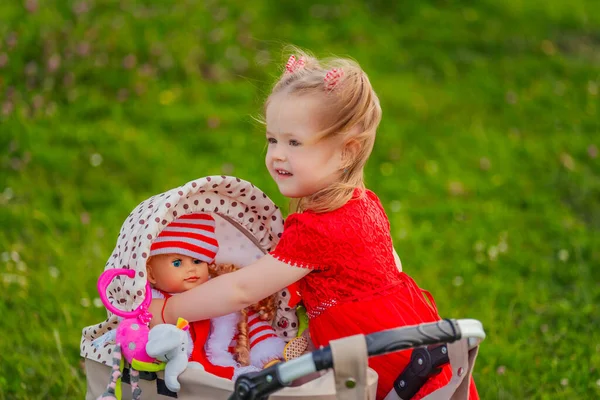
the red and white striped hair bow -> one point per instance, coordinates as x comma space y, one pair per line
332, 78
294, 64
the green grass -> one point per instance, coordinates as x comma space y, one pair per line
486, 161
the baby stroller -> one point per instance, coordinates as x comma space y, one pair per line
248, 225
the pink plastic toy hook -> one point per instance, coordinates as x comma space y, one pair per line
132, 332
105, 280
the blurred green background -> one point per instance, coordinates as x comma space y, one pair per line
486, 159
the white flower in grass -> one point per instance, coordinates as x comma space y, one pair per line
85, 302
563, 255
98, 302
9, 278
564, 382
8, 193
479, 246
53, 271
502, 247
493, 253
95, 160
567, 161
456, 188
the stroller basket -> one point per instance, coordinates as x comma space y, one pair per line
259, 385
248, 225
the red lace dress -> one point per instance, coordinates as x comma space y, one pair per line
355, 286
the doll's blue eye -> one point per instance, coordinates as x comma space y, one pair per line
176, 263
196, 261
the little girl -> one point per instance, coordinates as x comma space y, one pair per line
321, 122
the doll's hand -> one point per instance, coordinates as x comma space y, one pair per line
272, 362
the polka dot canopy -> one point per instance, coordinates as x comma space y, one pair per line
248, 226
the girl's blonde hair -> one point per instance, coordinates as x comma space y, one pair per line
351, 111
265, 309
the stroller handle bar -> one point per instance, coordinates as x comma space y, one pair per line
259, 385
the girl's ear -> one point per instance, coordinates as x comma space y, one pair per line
350, 152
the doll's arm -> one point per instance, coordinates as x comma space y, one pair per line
265, 345
223, 330
155, 309
234, 291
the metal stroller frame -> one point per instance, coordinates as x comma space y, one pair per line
259, 385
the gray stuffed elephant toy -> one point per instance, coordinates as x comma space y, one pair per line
170, 344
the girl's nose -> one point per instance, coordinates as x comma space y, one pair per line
278, 153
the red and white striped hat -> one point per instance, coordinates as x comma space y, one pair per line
191, 235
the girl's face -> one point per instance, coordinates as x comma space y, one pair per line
174, 273
299, 164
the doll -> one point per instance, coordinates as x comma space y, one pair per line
225, 346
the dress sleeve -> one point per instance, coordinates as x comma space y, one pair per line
303, 243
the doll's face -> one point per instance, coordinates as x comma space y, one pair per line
175, 273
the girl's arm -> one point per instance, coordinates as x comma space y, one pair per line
234, 291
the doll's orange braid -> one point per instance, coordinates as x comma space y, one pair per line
242, 347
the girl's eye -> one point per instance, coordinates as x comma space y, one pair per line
197, 262
294, 143
176, 263
271, 140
